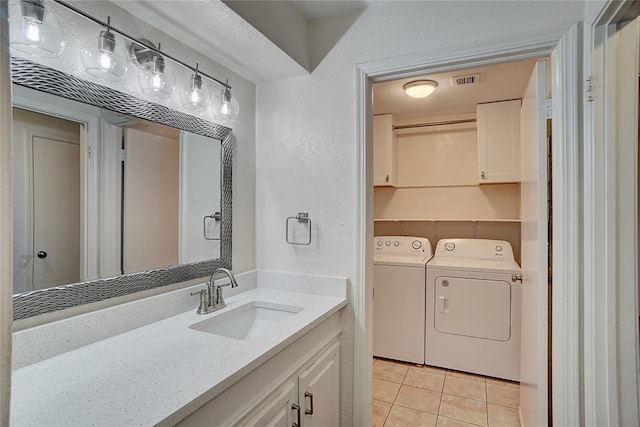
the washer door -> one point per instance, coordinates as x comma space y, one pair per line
473, 307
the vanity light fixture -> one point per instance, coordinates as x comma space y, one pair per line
103, 58
155, 78
34, 29
420, 88
225, 106
194, 94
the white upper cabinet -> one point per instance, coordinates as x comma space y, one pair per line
499, 142
384, 151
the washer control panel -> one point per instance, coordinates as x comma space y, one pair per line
401, 245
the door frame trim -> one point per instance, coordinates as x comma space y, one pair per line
565, 78
610, 278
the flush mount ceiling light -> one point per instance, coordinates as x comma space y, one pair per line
194, 94
155, 78
420, 88
34, 29
103, 58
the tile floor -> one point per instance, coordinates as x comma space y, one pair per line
406, 395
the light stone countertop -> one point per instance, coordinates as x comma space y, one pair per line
158, 373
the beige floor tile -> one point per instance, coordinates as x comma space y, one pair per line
466, 375
405, 417
464, 387
390, 371
463, 409
505, 396
448, 422
423, 378
503, 383
385, 390
418, 398
380, 411
501, 416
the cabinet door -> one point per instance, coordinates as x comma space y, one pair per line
384, 151
319, 390
499, 142
277, 411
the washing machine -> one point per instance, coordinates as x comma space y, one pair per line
399, 275
473, 308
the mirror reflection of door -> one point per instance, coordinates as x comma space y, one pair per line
47, 230
151, 197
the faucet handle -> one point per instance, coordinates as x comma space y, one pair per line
219, 298
203, 308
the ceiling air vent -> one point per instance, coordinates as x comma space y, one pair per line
465, 80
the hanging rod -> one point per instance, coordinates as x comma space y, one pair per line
422, 125
133, 39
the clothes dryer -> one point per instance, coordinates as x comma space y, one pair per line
473, 308
399, 297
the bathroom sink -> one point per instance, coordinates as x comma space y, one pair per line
247, 321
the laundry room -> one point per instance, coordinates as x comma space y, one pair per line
448, 239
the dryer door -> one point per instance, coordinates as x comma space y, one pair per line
473, 307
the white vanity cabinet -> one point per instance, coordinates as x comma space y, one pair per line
312, 400
275, 410
498, 142
384, 151
302, 380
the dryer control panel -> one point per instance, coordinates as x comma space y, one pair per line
480, 249
401, 245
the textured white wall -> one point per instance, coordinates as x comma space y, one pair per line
306, 126
78, 30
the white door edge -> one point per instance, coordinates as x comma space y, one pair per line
529, 45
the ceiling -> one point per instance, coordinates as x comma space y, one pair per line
215, 30
496, 83
317, 9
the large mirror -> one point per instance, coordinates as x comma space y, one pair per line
112, 194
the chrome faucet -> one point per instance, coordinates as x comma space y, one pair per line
211, 298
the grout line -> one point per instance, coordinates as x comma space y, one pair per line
486, 401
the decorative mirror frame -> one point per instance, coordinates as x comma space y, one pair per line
42, 78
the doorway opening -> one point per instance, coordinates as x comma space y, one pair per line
561, 44
447, 169
47, 200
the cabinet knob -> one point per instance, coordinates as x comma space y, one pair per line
386, 178
483, 175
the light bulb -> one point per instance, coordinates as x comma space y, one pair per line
225, 106
31, 30
195, 94
34, 29
156, 79
103, 58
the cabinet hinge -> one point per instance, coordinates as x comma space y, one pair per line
549, 108
89, 151
123, 154
544, 109
588, 89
